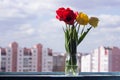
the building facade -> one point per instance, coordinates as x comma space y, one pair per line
47, 60
85, 62
102, 59
58, 62
17, 59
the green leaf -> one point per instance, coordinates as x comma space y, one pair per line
83, 36
67, 40
63, 29
76, 36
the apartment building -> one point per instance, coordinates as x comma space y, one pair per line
58, 62
47, 60
6, 60
102, 59
86, 62
17, 59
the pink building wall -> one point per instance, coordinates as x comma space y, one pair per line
115, 59
14, 46
39, 61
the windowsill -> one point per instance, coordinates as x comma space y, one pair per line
59, 76
60, 73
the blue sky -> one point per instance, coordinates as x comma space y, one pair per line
33, 21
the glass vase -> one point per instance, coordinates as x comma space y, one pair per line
72, 67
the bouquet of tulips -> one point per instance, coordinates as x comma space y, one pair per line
77, 27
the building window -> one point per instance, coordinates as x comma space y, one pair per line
8, 66
34, 54
20, 51
8, 62
20, 54
34, 51
34, 70
8, 58
25, 70
25, 62
44, 51
9, 54
19, 58
3, 58
30, 69
9, 50
34, 66
8, 70
30, 62
30, 58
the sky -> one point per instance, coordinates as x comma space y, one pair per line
29, 22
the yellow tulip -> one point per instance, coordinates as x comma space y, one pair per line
93, 21
82, 18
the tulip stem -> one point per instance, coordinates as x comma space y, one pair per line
78, 28
76, 24
82, 29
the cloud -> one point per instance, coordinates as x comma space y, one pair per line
26, 29
51, 34
94, 4
109, 20
23, 8
108, 24
33, 21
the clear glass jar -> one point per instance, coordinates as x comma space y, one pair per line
72, 67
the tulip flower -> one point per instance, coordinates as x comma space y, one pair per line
93, 21
82, 18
